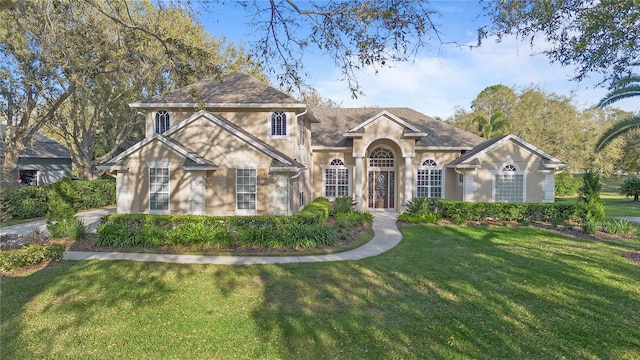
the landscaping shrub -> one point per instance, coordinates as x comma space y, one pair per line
34, 201
591, 207
566, 184
621, 226
303, 230
631, 187
342, 204
30, 255
431, 210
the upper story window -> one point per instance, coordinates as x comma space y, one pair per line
278, 123
163, 121
381, 157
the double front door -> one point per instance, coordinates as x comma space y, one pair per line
381, 189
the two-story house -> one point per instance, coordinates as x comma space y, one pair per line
239, 146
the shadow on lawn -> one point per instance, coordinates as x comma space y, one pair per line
446, 292
114, 290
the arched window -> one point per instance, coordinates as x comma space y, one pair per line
163, 121
336, 179
509, 184
278, 123
429, 179
381, 157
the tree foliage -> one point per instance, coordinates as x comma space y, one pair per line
601, 37
624, 88
81, 92
631, 187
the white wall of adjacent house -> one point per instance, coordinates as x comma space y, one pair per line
123, 193
549, 187
198, 193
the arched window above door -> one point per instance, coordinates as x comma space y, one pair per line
381, 157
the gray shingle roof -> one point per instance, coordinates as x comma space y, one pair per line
334, 122
39, 147
234, 88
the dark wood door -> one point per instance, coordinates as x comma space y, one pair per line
381, 189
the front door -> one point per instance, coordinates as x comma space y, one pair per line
381, 189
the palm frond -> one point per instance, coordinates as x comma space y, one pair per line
616, 130
619, 94
622, 82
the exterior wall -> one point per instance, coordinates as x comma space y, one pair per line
49, 169
525, 160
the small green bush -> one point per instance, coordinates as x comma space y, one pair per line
30, 255
342, 204
631, 187
566, 184
621, 226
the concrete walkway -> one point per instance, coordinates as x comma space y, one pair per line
633, 219
90, 218
386, 236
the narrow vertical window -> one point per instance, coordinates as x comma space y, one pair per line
246, 189
158, 189
278, 123
336, 179
163, 122
429, 180
302, 132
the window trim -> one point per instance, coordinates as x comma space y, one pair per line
168, 192
272, 122
156, 119
501, 171
332, 166
436, 167
255, 192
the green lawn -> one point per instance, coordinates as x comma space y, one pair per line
616, 204
444, 292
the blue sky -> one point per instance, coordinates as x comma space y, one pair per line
441, 77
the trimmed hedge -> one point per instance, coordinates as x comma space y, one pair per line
30, 255
33, 201
303, 230
458, 211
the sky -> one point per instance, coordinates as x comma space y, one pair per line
440, 78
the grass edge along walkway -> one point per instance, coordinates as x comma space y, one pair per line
386, 236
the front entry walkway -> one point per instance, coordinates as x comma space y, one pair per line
386, 236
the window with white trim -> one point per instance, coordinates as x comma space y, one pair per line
278, 123
163, 121
381, 157
509, 184
429, 179
246, 189
336, 179
158, 189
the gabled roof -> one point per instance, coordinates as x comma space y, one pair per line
192, 161
336, 122
39, 147
240, 133
233, 90
471, 158
409, 128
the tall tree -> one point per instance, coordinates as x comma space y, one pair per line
596, 37
496, 125
625, 88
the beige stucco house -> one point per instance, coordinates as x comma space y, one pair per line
241, 147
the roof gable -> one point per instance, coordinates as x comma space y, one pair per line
472, 158
388, 115
235, 89
240, 133
191, 160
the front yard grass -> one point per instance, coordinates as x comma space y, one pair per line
443, 292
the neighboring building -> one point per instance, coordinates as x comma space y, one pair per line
242, 147
43, 160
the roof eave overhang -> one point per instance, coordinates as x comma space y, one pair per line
331, 148
219, 105
555, 166
353, 134
456, 148
464, 166
112, 167
287, 169
200, 167
414, 135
